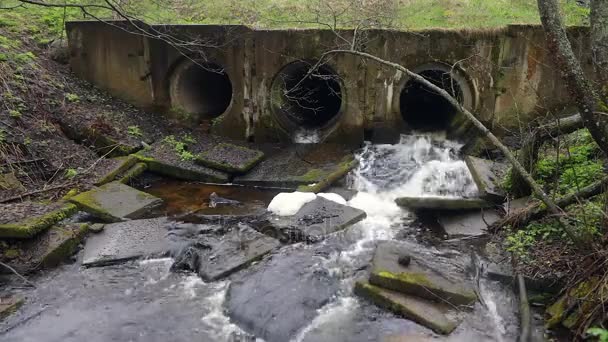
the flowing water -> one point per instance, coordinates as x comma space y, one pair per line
144, 301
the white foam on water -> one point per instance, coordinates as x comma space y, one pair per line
191, 284
332, 197
334, 312
289, 203
220, 327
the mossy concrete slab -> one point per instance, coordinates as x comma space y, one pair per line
119, 242
48, 249
115, 202
9, 305
487, 175
105, 144
230, 158
162, 158
416, 279
132, 173
433, 315
27, 219
224, 254
470, 223
306, 167
314, 221
442, 203
109, 169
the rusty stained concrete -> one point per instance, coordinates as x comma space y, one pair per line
509, 72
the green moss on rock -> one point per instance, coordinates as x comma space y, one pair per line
342, 170
32, 226
124, 163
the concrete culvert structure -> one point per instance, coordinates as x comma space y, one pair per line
301, 102
202, 89
425, 110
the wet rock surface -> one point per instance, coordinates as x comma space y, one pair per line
26, 219
220, 250
230, 158
314, 221
8, 305
115, 202
119, 242
279, 296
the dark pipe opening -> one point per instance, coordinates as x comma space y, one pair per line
204, 90
425, 110
307, 102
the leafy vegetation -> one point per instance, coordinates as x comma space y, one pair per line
180, 146
134, 131
601, 334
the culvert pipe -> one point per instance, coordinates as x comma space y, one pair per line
306, 102
203, 90
425, 110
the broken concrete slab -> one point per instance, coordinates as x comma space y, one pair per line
279, 296
487, 175
314, 221
230, 158
471, 223
104, 144
132, 173
115, 202
306, 167
119, 242
417, 279
442, 203
47, 249
9, 305
433, 315
517, 204
109, 169
25, 220
223, 254
168, 159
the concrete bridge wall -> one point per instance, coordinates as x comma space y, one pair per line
504, 75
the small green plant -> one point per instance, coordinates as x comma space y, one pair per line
179, 147
600, 333
14, 114
71, 173
72, 97
2, 136
134, 131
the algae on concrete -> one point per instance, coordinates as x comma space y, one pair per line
230, 158
121, 164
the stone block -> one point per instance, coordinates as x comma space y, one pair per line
109, 169
417, 279
470, 223
115, 202
25, 220
230, 158
119, 242
433, 315
442, 203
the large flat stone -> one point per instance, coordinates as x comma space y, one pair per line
162, 158
471, 223
108, 169
47, 249
224, 251
433, 315
310, 167
230, 158
314, 221
27, 219
417, 279
487, 175
278, 297
124, 241
442, 203
115, 202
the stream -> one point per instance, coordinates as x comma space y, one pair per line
300, 293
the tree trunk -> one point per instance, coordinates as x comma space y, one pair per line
599, 43
581, 90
